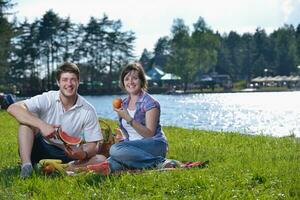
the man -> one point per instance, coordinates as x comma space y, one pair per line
41, 116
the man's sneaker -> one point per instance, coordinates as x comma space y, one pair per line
26, 170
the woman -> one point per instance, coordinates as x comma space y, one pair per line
145, 145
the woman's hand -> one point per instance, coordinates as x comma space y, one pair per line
123, 113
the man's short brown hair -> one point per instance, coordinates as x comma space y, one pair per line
67, 67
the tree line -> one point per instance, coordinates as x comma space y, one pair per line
34, 50
30, 52
189, 53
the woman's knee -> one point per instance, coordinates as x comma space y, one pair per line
116, 150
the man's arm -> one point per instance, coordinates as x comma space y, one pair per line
21, 113
91, 149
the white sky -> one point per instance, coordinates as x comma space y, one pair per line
152, 19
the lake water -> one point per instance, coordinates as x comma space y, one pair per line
269, 113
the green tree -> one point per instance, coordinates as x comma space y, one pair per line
234, 44
262, 53
67, 38
146, 59
49, 44
161, 51
298, 46
119, 51
24, 70
93, 49
180, 60
284, 40
205, 44
248, 55
79, 52
103, 50
6, 33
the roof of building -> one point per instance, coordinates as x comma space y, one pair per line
156, 73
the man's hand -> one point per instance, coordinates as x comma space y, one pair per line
75, 153
49, 131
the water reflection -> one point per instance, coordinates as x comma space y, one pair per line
274, 113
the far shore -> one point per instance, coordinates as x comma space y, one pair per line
181, 92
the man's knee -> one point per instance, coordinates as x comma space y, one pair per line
97, 159
27, 129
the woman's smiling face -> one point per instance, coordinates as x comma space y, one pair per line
132, 82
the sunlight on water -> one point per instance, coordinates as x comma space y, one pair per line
272, 113
277, 114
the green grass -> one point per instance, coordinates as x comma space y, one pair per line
241, 167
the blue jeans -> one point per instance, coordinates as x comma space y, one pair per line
137, 154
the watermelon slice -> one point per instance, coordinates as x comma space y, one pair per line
101, 168
69, 139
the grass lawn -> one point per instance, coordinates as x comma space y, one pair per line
241, 167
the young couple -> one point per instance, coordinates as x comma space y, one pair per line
145, 145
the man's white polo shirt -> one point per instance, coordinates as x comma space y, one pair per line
79, 121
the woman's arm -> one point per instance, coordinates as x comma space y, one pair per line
151, 121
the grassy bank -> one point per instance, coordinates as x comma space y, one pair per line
241, 167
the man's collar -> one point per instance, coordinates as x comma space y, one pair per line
57, 96
78, 102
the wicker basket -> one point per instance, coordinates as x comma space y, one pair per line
108, 139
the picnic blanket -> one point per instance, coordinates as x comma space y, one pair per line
169, 165
49, 166
54, 166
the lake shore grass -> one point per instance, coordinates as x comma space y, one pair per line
241, 167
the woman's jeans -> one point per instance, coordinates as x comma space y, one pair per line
137, 154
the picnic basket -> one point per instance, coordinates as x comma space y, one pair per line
108, 138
